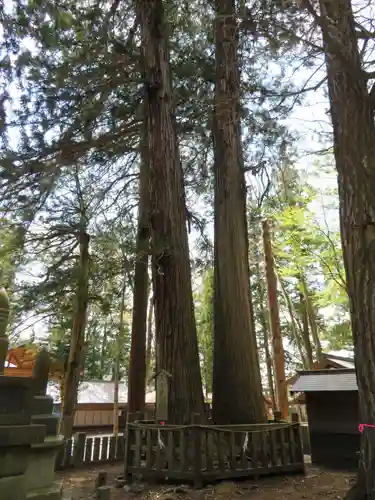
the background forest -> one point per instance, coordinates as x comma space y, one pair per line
74, 233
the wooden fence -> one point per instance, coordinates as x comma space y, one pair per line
202, 454
85, 451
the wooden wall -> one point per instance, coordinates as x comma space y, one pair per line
333, 427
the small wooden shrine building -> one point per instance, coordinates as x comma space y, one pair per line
333, 416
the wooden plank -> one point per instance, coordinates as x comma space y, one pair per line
244, 450
120, 448
274, 454
159, 451
182, 449
138, 448
254, 446
96, 443
264, 448
68, 453
197, 456
232, 450
170, 449
298, 443
209, 451
149, 449
283, 445
104, 452
88, 450
112, 448
79, 450
220, 451
292, 445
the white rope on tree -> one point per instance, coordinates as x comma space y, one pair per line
160, 441
245, 441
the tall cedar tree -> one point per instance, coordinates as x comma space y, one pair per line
352, 114
274, 314
137, 365
77, 342
237, 391
174, 312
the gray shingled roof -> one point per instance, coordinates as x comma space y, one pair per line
326, 380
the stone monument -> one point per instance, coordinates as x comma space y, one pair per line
28, 440
17, 433
40, 473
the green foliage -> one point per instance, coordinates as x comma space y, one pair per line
204, 315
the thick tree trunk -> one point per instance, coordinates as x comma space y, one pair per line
137, 365
277, 342
354, 149
237, 390
77, 342
306, 331
174, 312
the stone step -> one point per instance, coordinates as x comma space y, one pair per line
50, 421
52, 493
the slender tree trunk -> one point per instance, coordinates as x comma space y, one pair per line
312, 321
306, 331
149, 339
174, 312
116, 377
103, 350
354, 148
77, 342
293, 322
277, 342
137, 365
237, 389
264, 321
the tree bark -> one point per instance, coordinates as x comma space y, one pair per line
116, 374
103, 349
137, 365
354, 148
306, 332
264, 321
312, 321
294, 325
277, 342
149, 339
174, 311
76, 350
237, 390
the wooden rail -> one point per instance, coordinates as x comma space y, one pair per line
82, 451
203, 454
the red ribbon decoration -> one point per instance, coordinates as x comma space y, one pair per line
362, 426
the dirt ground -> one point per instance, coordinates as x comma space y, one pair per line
316, 484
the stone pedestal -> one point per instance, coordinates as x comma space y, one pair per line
40, 473
17, 435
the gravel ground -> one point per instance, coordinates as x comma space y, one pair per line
316, 484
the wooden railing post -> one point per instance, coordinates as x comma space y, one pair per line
197, 451
277, 416
79, 450
295, 418
129, 453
